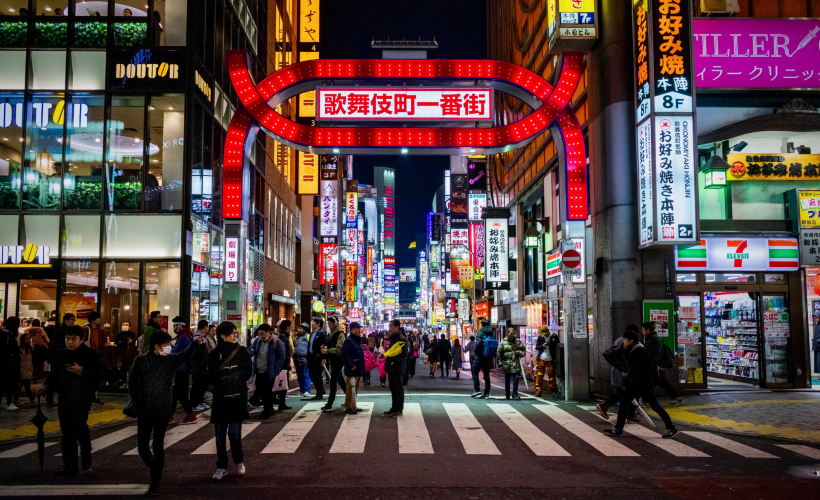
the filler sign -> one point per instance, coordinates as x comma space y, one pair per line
404, 104
664, 109
497, 272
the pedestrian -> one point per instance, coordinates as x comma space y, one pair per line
95, 340
126, 345
653, 345
432, 356
353, 361
333, 351
380, 364
199, 368
280, 386
469, 350
369, 362
316, 358
26, 369
457, 357
395, 365
150, 385
425, 339
229, 368
150, 328
9, 361
444, 359
57, 343
75, 376
413, 355
615, 357
641, 376
547, 348
268, 357
300, 355
39, 347
485, 351
182, 379
210, 340
371, 342
510, 352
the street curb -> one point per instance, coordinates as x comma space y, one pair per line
106, 425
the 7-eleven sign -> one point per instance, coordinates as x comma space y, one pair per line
739, 254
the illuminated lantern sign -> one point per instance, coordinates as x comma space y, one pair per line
664, 103
573, 25
328, 264
404, 104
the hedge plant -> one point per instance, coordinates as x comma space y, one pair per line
50, 34
13, 34
9, 196
130, 34
90, 34
86, 195
127, 195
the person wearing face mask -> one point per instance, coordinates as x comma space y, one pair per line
182, 380
126, 342
150, 386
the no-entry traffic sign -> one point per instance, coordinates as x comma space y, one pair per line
571, 258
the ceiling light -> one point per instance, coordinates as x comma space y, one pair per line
126, 307
167, 307
336, 150
47, 9
153, 274
130, 268
404, 151
150, 108
5, 138
96, 139
170, 107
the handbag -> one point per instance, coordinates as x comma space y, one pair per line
280, 383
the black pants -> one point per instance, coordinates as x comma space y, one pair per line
665, 385
476, 367
616, 396
335, 380
24, 384
411, 365
155, 461
444, 364
263, 390
316, 375
647, 392
199, 383
279, 399
181, 393
394, 381
75, 430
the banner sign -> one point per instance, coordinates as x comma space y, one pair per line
391, 103
407, 274
477, 202
756, 53
231, 259
739, 254
664, 109
308, 176
477, 174
350, 282
329, 262
773, 167
351, 205
477, 244
435, 227
329, 209
369, 266
496, 271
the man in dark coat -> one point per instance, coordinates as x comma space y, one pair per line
57, 343
75, 375
481, 363
654, 346
268, 357
181, 381
9, 361
150, 385
395, 366
317, 338
333, 351
641, 375
229, 368
353, 364
444, 357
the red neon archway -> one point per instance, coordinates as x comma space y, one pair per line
259, 100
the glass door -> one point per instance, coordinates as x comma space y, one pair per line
731, 324
689, 352
777, 338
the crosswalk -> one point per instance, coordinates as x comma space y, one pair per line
486, 428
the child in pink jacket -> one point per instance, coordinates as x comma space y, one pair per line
382, 369
369, 363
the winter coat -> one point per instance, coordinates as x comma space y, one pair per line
616, 378
26, 365
371, 342
276, 356
455, 355
57, 342
151, 381
549, 342
380, 363
640, 366
77, 391
230, 392
335, 341
300, 349
184, 339
397, 364
352, 356
479, 347
509, 353
149, 330
369, 360
653, 346
284, 338
9, 357
38, 337
444, 348
315, 346
470, 348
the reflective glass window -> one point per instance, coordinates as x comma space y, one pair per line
80, 285
44, 153
82, 182
166, 166
81, 236
87, 70
151, 236
8, 230
169, 22
13, 62
13, 23
125, 152
42, 230
11, 150
48, 69
91, 8
161, 288
120, 296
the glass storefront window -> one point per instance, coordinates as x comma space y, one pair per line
37, 299
11, 150
81, 237
48, 70
200, 294
166, 167
13, 23
777, 335
87, 70
202, 243
44, 153
125, 151
82, 181
161, 289
731, 323
690, 339
121, 295
170, 20
13, 62
687, 277
141, 236
131, 8
730, 278
42, 230
90, 33
91, 8
8, 229
80, 286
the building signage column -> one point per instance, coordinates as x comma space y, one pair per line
496, 264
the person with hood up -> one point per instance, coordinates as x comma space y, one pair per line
547, 348
150, 385
480, 363
353, 360
229, 368
300, 353
268, 357
181, 385
510, 352
396, 364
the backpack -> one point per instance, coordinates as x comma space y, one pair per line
667, 358
490, 348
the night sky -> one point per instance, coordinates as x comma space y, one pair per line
459, 27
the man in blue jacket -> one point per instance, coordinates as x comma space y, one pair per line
268, 357
353, 360
480, 362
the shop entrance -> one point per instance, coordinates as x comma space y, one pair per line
29, 295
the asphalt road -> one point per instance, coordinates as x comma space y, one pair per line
447, 445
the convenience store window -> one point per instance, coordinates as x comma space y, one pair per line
777, 337
732, 325
690, 339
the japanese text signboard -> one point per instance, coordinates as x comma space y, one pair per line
328, 262
572, 26
809, 202
390, 103
496, 272
459, 205
308, 180
773, 167
756, 53
351, 209
231, 259
477, 244
665, 133
810, 247
350, 282
329, 197
477, 202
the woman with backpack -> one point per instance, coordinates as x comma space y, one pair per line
661, 355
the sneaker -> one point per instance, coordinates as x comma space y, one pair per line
153, 490
382, 385
67, 470
484, 396
240, 469
306, 395
200, 407
395, 414
676, 401
220, 473
613, 432
477, 393
516, 396
670, 433
389, 412
98, 402
602, 409
11, 407
172, 420
189, 419
327, 408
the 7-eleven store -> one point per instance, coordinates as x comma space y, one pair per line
740, 321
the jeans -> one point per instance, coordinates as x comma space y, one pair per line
665, 385
351, 392
155, 461
234, 432
181, 393
514, 377
303, 376
316, 371
335, 380
647, 392
75, 429
477, 366
263, 390
396, 390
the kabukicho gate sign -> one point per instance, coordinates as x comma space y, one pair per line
416, 93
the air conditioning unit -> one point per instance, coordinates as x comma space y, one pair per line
719, 7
